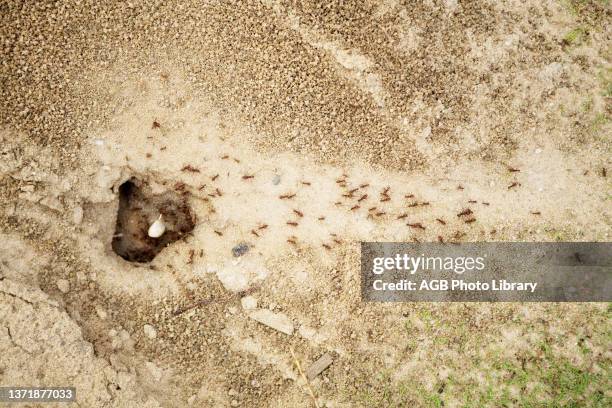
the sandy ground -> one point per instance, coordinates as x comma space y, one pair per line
283, 123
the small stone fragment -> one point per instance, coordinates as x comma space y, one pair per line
276, 321
77, 215
63, 285
240, 249
319, 366
276, 180
249, 303
150, 331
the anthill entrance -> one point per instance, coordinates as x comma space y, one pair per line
138, 211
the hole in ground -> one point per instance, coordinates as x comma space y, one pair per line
137, 211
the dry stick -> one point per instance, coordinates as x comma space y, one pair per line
299, 367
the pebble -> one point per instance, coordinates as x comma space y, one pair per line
150, 331
248, 303
319, 366
63, 285
276, 180
240, 249
101, 313
276, 321
77, 214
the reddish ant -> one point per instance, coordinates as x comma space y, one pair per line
306, 183
321, 218
465, 212
355, 207
515, 184
380, 213
254, 233
219, 233
247, 177
513, 170
364, 185
536, 213
286, 196
416, 225
190, 168
402, 216
298, 213
441, 221
363, 197
292, 223
470, 220
291, 240
409, 196
326, 247
155, 125
213, 178
225, 157
262, 227
472, 201
219, 193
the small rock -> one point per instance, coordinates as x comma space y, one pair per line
150, 331
319, 366
249, 303
234, 403
240, 249
77, 214
63, 285
276, 321
154, 370
101, 313
276, 180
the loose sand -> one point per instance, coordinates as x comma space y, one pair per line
326, 106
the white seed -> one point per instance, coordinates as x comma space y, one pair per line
157, 229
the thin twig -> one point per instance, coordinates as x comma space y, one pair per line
310, 391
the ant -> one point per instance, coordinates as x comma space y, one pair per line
465, 212
416, 225
286, 196
190, 168
298, 213
247, 177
